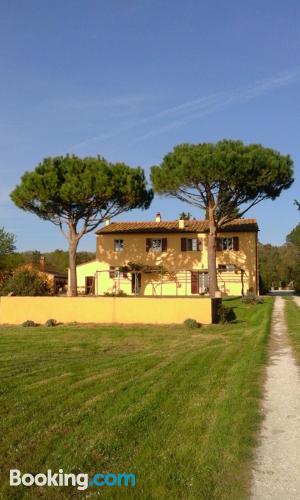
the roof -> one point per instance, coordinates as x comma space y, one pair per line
58, 274
46, 269
191, 226
86, 262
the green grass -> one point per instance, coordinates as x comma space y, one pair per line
292, 312
180, 408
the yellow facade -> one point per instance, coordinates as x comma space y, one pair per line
169, 273
144, 310
88, 269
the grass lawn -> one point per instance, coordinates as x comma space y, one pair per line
180, 408
292, 312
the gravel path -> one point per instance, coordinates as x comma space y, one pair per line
276, 474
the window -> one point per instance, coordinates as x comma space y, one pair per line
227, 243
231, 243
116, 272
191, 244
230, 268
119, 245
156, 245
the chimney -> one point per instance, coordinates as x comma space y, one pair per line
181, 223
158, 217
42, 262
107, 221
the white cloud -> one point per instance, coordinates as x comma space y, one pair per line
185, 112
215, 102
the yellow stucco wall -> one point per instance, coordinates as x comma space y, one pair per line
165, 310
84, 270
178, 263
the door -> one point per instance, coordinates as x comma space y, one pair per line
203, 282
199, 282
194, 282
89, 285
136, 283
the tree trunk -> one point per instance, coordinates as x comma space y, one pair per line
72, 285
212, 254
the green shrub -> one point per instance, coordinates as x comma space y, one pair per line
226, 314
51, 322
28, 323
191, 323
119, 293
296, 278
252, 299
264, 286
26, 283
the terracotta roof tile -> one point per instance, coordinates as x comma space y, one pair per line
191, 226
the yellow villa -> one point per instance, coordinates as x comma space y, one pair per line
169, 258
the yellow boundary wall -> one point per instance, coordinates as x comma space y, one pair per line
158, 310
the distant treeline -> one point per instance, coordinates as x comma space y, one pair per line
280, 265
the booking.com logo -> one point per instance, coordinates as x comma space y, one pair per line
61, 479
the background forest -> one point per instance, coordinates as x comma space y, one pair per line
280, 265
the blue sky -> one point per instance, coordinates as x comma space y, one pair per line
131, 79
